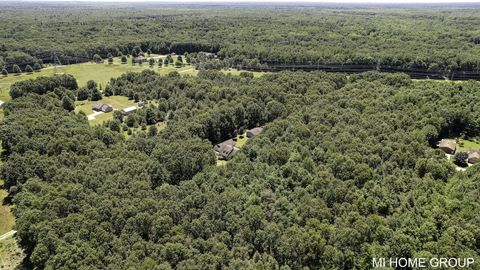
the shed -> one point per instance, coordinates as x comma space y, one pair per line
129, 110
141, 103
254, 132
473, 157
447, 145
99, 107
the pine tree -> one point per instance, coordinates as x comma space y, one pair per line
16, 69
37, 66
97, 58
28, 69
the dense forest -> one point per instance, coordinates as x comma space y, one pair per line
343, 172
439, 40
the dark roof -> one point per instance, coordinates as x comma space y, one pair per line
97, 106
102, 107
226, 149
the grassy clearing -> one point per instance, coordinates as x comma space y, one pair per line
7, 221
118, 103
160, 127
11, 255
241, 140
237, 72
468, 145
101, 73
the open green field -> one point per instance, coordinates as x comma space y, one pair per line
101, 73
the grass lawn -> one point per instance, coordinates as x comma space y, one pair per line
468, 145
101, 73
11, 255
241, 141
221, 162
100, 119
118, 103
7, 221
237, 72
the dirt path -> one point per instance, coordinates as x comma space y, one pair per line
93, 115
7, 235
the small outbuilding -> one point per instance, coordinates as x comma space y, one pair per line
141, 103
447, 145
99, 107
129, 110
254, 132
473, 157
139, 59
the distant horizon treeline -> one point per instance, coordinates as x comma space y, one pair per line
437, 41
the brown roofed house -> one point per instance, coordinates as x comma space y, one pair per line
473, 157
225, 150
254, 132
448, 146
99, 107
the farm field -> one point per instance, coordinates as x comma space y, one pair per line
100, 73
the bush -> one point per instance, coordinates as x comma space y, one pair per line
461, 159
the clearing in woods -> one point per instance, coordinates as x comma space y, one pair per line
11, 255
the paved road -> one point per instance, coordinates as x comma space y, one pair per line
7, 235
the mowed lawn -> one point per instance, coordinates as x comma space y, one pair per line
101, 73
468, 145
117, 102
